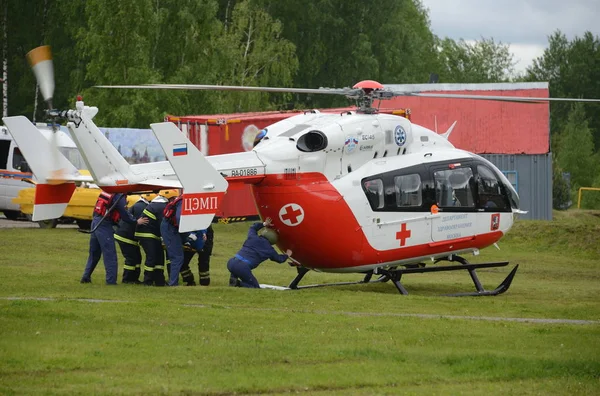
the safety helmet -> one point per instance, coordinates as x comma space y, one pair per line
269, 234
169, 193
148, 196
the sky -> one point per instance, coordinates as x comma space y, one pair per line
523, 24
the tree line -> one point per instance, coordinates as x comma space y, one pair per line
278, 43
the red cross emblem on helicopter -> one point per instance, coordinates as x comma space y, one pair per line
403, 235
291, 214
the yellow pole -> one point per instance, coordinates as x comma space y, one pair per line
585, 188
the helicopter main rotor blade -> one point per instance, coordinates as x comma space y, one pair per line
523, 99
332, 91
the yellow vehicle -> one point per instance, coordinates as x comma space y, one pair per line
79, 210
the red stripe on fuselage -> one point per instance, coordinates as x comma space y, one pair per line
53, 193
329, 236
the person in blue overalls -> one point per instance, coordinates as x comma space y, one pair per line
256, 249
192, 242
169, 230
109, 209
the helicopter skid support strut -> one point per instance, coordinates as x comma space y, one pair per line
395, 275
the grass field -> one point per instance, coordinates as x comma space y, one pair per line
541, 337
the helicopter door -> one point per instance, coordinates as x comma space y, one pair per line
454, 195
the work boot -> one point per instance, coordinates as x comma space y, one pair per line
85, 279
205, 281
191, 283
233, 281
159, 278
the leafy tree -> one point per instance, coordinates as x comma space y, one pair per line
483, 61
254, 53
561, 192
118, 43
571, 68
341, 42
576, 149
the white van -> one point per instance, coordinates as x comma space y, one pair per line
15, 174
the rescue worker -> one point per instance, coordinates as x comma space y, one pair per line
130, 248
192, 242
109, 209
204, 254
149, 237
169, 229
256, 249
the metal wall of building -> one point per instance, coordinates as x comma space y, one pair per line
533, 176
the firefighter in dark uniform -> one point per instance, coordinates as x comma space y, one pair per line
149, 237
256, 249
192, 242
203, 259
109, 209
130, 248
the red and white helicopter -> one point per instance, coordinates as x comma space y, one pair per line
353, 192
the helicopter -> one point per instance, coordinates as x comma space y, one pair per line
350, 192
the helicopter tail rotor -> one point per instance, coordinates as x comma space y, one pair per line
40, 60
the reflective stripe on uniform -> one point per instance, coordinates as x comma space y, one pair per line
146, 268
149, 214
126, 240
129, 267
205, 274
146, 235
159, 267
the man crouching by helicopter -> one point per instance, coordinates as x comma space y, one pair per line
256, 249
109, 209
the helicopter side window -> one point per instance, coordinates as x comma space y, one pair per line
489, 190
408, 190
374, 190
454, 188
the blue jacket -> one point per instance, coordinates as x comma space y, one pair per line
257, 249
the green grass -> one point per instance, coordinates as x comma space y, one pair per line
60, 337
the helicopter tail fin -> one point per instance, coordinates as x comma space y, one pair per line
203, 186
104, 161
55, 174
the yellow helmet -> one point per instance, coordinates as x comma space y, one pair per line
149, 196
169, 193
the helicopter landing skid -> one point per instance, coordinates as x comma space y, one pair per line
395, 275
